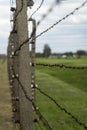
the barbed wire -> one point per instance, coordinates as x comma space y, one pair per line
43, 17
52, 26
64, 18
39, 125
44, 121
42, 1
11, 2
47, 13
41, 117
61, 108
61, 66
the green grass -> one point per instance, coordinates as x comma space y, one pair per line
78, 78
68, 88
70, 61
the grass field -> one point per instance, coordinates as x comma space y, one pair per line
68, 87
5, 99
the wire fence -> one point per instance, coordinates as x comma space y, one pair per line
52, 26
61, 66
37, 8
15, 76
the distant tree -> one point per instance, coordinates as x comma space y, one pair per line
68, 53
81, 52
46, 51
38, 54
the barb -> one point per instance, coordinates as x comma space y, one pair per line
61, 66
41, 117
62, 108
52, 26
42, 1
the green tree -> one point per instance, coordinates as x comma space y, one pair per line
46, 51
81, 53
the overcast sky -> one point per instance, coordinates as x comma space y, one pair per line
69, 35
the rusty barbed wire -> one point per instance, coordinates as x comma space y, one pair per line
40, 126
62, 108
37, 122
64, 18
61, 66
41, 117
11, 2
42, 1
44, 121
52, 26
47, 13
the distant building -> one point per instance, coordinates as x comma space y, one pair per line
64, 56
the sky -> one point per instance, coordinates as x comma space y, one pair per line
69, 35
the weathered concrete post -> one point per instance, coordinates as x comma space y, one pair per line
26, 111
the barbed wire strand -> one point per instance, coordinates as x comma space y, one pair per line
43, 17
39, 125
61, 66
42, 1
71, 13
52, 26
62, 108
47, 13
44, 121
11, 2
41, 117
37, 122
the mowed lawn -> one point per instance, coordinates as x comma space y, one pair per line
68, 87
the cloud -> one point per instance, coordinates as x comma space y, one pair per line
79, 19
64, 30
4, 25
80, 16
4, 2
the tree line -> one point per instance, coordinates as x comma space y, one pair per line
47, 52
